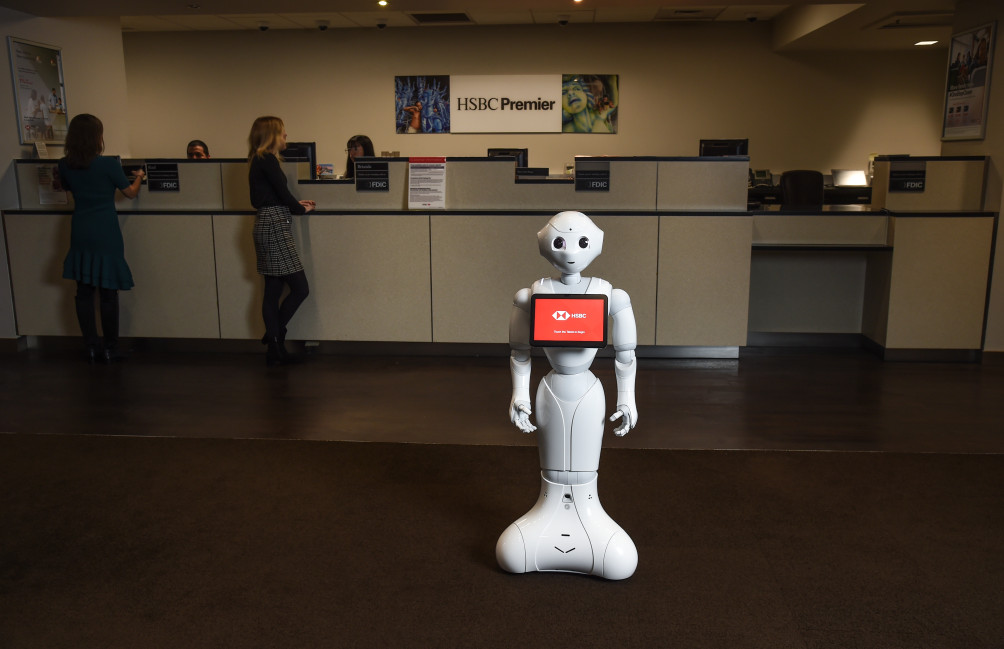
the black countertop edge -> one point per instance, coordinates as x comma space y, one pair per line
816, 247
399, 212
134, 160
612, 158
875, 212
327, 181
942, 214
617, 158
537, 212
926, 158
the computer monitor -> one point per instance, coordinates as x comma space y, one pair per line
302, 152
521, 155
717, 148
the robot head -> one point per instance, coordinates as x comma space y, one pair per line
570, 241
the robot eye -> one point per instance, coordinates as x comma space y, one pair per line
559, 243
584, 242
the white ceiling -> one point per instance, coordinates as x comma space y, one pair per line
798, 24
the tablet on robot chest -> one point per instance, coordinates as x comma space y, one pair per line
560, 320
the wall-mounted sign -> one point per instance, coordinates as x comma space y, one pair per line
37, 71
427, 183
162, 177
967, 91
592, 175
907, 176
506, 103
372, 176
543, 103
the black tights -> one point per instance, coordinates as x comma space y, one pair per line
276, 315
84, 301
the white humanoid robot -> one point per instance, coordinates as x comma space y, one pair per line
567, 529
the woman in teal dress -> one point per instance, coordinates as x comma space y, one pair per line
96, 260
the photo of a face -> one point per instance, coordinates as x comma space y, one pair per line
589, 103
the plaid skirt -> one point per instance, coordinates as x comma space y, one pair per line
274, 249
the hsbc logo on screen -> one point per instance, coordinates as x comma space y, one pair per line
565, 315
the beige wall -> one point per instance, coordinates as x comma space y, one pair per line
678, 83
94, 74
969, 14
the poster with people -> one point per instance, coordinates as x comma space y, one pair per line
566, 103
37, 71
967, 92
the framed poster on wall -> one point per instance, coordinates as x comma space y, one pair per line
37, 73
967, 90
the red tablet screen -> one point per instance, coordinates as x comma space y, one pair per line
568, 320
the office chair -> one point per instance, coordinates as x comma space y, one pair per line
801, 189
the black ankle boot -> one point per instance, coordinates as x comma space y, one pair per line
281, 337
277, 354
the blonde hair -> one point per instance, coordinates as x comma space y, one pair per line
264, 137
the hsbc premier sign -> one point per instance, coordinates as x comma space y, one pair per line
505, 103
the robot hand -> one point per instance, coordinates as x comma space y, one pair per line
519, 413
630, 419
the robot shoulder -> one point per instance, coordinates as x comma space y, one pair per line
619, 300
598, 285
522, 299
542, 285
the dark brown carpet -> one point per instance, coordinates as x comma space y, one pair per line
131, 542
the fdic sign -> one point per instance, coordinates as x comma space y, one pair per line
505, 103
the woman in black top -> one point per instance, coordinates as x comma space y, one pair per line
275, 252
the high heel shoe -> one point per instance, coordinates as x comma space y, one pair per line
111, 354
281, 337
277, 354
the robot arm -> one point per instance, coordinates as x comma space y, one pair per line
625, 339
519, 361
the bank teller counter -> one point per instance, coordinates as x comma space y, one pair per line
169, 246
704, 274
912, 285
369, 277
379, 272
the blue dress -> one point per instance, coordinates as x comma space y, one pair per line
97, 253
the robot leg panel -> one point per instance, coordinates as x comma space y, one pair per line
510, 551
614, 553
549, 537
569, 411
620, 557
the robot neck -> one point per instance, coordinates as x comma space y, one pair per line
571, 279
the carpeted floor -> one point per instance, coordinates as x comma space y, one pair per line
128, 542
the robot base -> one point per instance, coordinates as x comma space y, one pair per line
568, 531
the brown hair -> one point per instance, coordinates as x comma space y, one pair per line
84, 141
264, 136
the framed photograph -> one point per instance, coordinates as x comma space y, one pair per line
967, 90
37, 73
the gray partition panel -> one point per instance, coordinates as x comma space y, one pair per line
368, 275
480, 261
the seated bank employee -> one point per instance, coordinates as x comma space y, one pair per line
357, 146
197, 150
